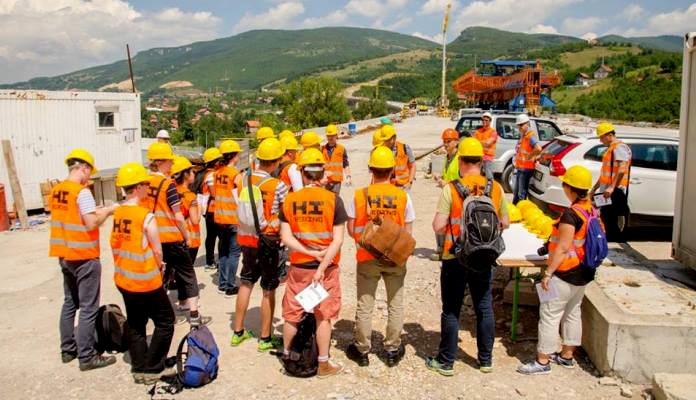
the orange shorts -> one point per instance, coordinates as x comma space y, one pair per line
298, 279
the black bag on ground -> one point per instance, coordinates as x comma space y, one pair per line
302, 361
111, 329
480, 242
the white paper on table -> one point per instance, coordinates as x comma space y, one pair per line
202, 200
546, 295
535, 257
601, 201
311, 296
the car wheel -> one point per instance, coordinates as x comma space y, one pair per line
507, 179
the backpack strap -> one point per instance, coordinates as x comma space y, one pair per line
489, 188
157, 193
367, 203
463, 192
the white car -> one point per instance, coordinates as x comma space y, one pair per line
652, 181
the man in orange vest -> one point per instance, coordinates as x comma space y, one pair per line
164, 201
528, 148
229, 250
455, 277
75, 221
337, 167
212, 158
488, 137
138, 270
287, 170
613, 182
405, 169
385, 200
312, 225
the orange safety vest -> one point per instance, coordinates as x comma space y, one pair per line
488, 138
401, 170
226, 204
334, 165
187, 199
610, 168
576, 254
477, 186
386, 201
135, 267
284, 175
310, 213
524, 150
157, 203
209, 191
267, 185
70, 238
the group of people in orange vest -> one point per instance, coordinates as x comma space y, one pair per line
156, 236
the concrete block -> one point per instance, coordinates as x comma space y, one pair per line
674, 386
528, 294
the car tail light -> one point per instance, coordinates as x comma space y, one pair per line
557, 168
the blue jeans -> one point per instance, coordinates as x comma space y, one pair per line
81, 285
522, 178
454, 279
229, 252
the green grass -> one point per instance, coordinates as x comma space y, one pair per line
588, 57
567, 96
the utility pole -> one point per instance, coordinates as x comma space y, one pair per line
442, 109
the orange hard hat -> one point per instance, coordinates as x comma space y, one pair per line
449, 134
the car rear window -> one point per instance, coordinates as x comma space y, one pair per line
550, 150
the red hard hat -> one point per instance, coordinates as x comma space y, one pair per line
450, 133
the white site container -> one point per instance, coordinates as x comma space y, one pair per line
43, 126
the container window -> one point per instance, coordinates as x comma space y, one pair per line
106, 119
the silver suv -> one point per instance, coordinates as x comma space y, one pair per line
508, 135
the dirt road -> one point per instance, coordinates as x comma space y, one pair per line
31, 295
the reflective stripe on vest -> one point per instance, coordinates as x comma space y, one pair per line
225, 202
334, 164
267, 185
166, 221
609, 171
401, 170
576, 253
194, 230
524, 151
69, 238
310, 214
386, 201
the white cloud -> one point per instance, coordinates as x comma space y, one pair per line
374, 8
437, 38
280, 16
633, 12
676, 22
512, 15
589, 36
400, 23
335, 18
66, 35
578, 26
541, 28
437, 6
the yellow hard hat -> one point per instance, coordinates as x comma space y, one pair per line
131, 174
270, 149
311, 157
514, 213
160, 151
523, 205
470, 147
180, 164
310, 139
286, 133
531, 214
229, 146
579, 177
382, 157
388, 132
377, 138
331, 130
533, 222
84, 156
290, 143
603, 128
211, 154
264, 132
544, 227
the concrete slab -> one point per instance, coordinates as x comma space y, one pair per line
674, 387
638, 322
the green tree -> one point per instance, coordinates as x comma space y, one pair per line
183, 115
372, 108
309, 102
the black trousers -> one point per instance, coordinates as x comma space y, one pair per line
212, 232
610, 216
140, 307
178, 262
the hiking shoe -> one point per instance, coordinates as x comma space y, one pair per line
221, 290
486, 369
97, 362
67, 356
435, 256
434, 365
210, 267
180, 319
145, 378
195, 322
362, 359
329, 368
231, 292
274, 343
534, 368
239, 339
393, 357
563, 362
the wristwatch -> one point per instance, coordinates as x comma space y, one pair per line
547, 275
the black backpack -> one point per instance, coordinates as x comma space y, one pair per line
111, 330
480, 242
277, 171
302, 361
197, 185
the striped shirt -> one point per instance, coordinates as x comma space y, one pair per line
280, 193
85, 202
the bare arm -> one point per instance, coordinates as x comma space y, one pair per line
293, 244
411, 172
566, 233
440, 222
96, 219
351, 227
194, 214
409, 228
152, 234
331, 252
180, 222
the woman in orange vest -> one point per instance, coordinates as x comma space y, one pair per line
388, 202
229, 250
75, 221
488, 137
138, 271
212, 158
527, 150
337, 167
312, 224
182, 172
567, 276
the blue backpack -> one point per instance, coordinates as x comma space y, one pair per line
596, 248
198, 365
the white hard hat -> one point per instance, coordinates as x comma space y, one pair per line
162, 134
522, 119
487, 115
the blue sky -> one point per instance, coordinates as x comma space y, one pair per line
71, 34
